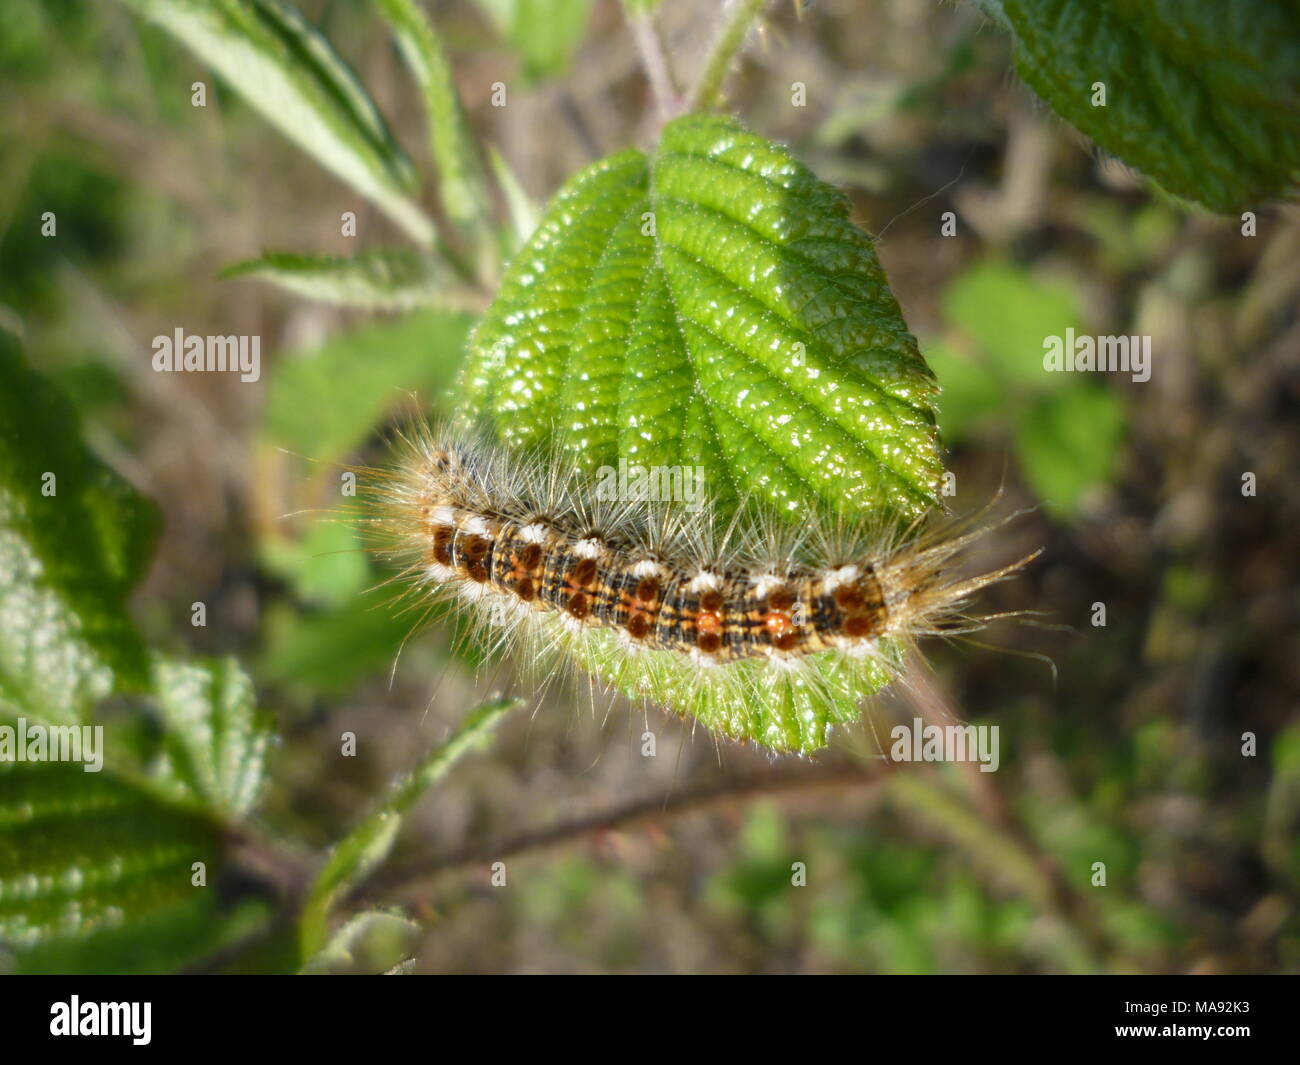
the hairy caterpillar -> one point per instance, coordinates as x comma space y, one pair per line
759, 630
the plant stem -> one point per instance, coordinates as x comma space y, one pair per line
416, 879
730, 36
668, 101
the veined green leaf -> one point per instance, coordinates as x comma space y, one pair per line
291, 74
713, 306
215, 741
74, 539
461, 177
1203, 96
363, 848
97, 866
392, 279
84, 854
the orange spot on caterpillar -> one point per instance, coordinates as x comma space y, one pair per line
442, 537
777, 624
848, 597
787, 641
860, 625
781, 600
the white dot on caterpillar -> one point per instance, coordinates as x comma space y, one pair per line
443, 515
475, 526
647, 567
856, 648
836, 577
765, 584
438, 573
780, 662
570, 623
704, 581
628, 643
701, 659
534, 533
591, 547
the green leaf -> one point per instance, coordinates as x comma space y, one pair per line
84, 855
323, 403
74, 539
543, 33
752, 333
96, 867
268, 52
352, 858
1203, 96
368, 933
327, 567
215, 743
463, 191
1068, 442
327, 652
387, 280
362, 849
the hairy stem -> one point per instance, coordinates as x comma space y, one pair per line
736, 22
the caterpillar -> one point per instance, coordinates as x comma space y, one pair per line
761, 629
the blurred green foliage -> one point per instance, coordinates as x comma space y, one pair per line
542, 34
1067, 429
1134, 759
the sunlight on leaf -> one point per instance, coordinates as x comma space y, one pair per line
711, 306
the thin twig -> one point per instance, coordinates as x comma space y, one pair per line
413, 879
668, 101
736, 22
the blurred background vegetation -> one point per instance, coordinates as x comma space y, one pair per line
1131, 755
